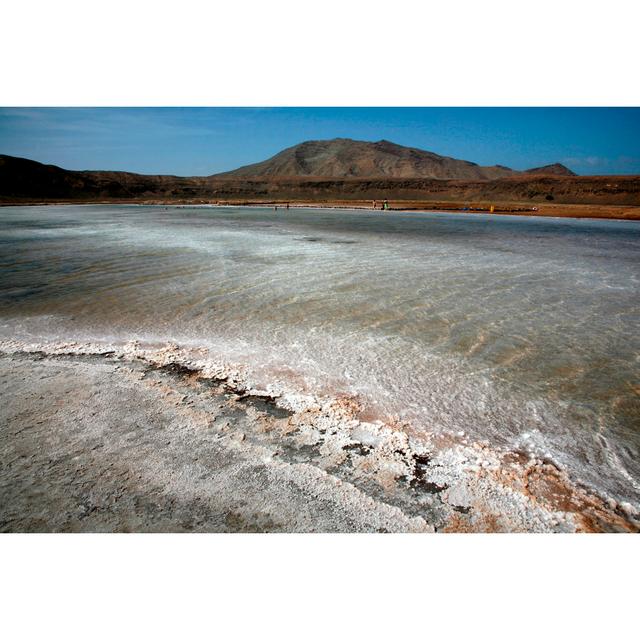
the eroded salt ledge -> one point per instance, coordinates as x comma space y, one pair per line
421, 482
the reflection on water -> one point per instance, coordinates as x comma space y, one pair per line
518, 330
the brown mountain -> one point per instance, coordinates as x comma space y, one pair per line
555, 169
345, 158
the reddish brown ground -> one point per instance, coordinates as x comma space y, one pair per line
618, 212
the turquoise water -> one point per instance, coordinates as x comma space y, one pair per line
521, 331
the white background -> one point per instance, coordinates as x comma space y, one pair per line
334, 52
490, 52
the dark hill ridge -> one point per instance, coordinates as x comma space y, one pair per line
20, 177
345, 158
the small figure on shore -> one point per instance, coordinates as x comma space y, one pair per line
375, 204
287, 206
275, 208
385, 205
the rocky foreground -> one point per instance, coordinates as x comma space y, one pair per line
131, 439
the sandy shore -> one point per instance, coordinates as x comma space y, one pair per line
126, 438
612, 212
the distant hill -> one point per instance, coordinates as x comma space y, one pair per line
345, 158
20, 177
556, 169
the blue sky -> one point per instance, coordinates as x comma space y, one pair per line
203, 141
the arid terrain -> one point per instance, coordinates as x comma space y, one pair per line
339, 173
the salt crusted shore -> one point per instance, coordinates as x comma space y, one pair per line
97, 437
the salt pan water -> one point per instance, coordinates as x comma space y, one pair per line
521, 331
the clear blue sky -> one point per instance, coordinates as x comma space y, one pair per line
202, 141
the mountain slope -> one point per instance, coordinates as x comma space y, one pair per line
345, 158
555, 169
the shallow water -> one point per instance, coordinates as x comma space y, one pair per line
521, 331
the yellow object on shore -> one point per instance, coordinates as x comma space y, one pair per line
491, 209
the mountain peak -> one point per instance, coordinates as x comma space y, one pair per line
555, 169
347, 158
